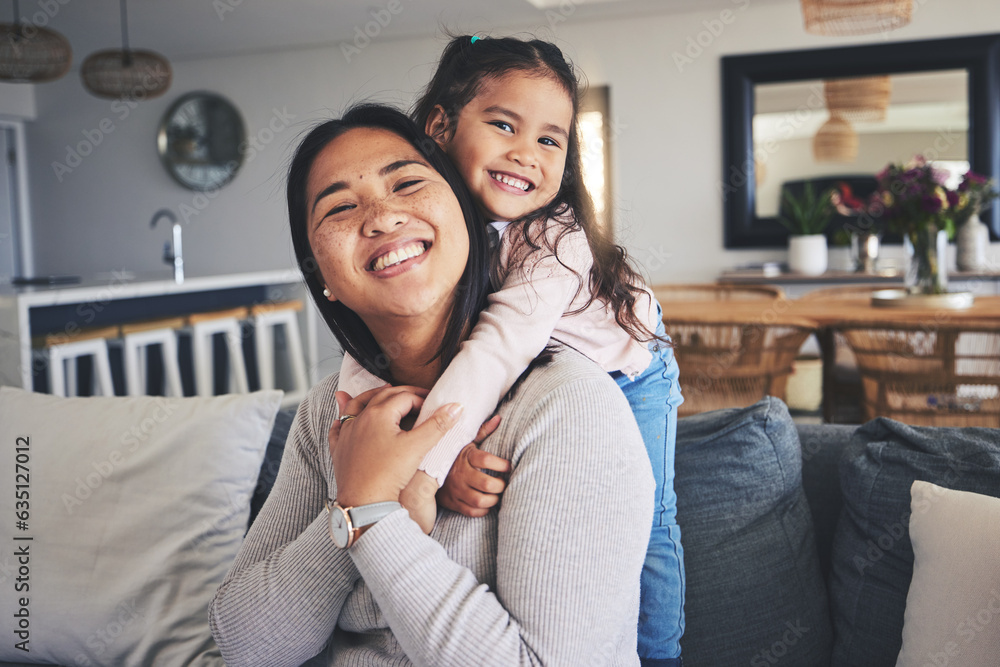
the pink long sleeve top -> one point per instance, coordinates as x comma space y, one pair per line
536, 301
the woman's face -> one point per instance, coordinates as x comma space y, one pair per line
386, 229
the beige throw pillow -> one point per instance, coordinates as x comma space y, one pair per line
953, 606
119, 518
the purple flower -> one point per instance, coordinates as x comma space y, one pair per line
930, 203
952, 198
975, 179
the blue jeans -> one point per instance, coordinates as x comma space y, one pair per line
654, 396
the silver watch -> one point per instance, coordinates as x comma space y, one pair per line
346, 522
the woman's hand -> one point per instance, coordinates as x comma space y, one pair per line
467, 489
373, 457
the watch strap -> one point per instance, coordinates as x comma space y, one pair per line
366, 515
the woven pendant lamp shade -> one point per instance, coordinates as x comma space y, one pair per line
127, 73
836, 141
863, 98
118, 74
855, 17
30, 54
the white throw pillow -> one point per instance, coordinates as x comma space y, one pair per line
953, 606
119, 518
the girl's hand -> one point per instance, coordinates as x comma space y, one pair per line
467, 489
373, 457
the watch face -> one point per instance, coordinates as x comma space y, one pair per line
339, 527
201, 141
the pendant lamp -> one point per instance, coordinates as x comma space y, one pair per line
835, 141
30, 54
864, 98
855, 17
126, 73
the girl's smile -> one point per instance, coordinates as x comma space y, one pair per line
510, 142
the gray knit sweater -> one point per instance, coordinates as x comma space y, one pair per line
551, 578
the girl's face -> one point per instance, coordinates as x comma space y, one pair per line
386, 229
510, 143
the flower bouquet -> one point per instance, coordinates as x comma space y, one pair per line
921, 209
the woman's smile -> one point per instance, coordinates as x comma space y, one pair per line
385, 227
400, 255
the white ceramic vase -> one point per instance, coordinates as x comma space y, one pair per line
807, 254
970, 245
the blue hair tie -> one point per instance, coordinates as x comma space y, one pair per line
474, 38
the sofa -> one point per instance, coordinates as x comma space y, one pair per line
796, 537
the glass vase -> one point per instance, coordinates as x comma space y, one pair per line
865, 250
926, 260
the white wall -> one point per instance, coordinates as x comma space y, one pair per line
667, 143
17, 100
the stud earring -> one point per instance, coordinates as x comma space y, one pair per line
326, 292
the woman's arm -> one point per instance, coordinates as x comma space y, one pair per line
512, 330
280, 600
572, 535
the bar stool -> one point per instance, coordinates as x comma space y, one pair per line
137, 338
204, 327
266, 318
64, 351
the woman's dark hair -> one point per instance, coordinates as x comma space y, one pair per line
352, 333
469, 62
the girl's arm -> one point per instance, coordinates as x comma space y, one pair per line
511, 331
281, 599
571, 539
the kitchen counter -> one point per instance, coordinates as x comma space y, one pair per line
126, 285
30, 311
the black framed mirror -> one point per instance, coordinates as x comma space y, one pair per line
748, 225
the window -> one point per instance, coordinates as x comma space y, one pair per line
595, 151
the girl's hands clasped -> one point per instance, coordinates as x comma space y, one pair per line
373, 456
468, 489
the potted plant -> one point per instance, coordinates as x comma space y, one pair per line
921, 209
806, 217
975, 192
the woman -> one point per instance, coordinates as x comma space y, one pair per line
552, 576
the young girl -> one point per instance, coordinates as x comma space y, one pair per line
505, 111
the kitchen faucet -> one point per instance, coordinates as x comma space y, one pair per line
172, 255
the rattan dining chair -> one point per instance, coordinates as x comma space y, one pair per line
933, 374
734, 364
841, 380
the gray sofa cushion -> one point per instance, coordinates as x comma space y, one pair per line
755, 595
872, 554
822, 446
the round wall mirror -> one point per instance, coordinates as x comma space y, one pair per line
200, 139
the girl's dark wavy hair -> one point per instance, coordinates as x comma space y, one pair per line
464, 68
352, 333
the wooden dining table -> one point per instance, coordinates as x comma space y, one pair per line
824, 314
